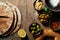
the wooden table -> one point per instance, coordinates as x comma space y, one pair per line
27, 11
29, 15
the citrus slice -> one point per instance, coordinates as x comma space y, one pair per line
22, 33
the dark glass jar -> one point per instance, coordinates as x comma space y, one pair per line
25, 38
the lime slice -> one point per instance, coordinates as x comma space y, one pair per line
22, 33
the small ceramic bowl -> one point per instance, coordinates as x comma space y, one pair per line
35, 29
55, 25
45, 16
38, 5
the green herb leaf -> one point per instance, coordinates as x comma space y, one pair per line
45, 8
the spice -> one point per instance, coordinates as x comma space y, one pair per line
55, 24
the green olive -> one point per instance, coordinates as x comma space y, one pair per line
31, 28
32, 32
37, 26
34, 27
33, 24
38, 29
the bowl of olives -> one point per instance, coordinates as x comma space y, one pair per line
35, 29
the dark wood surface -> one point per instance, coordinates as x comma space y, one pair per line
29, 15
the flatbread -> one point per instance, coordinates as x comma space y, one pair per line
6, 18
17, 20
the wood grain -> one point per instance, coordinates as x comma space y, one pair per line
26, 9
29, 15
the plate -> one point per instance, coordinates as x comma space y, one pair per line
53, 5
16, 20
